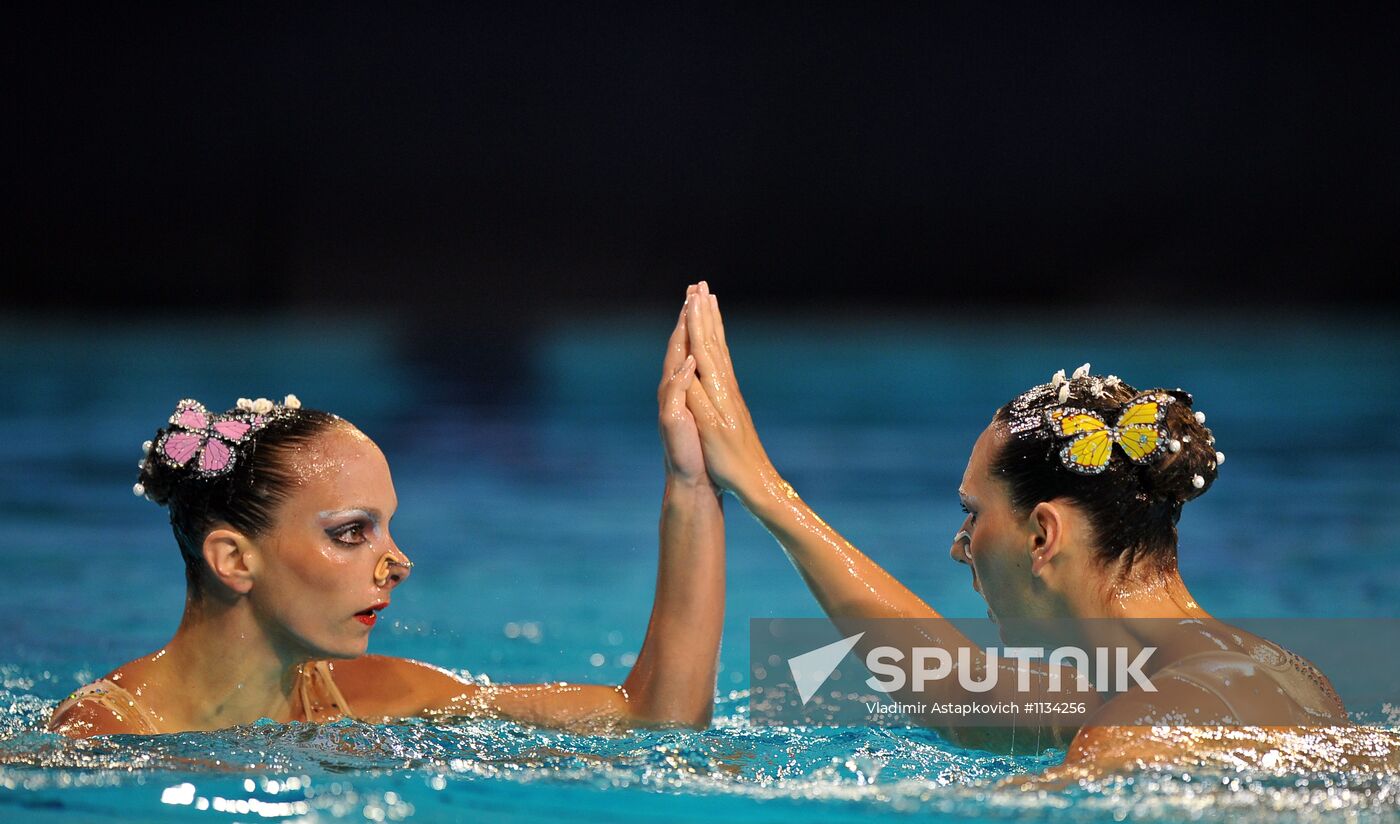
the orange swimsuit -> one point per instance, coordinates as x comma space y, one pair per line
320, 699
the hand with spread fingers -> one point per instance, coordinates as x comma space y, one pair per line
734, 455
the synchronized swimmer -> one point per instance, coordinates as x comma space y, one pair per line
1072, 494
282, 515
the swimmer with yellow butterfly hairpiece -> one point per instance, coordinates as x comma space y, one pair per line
1072, 495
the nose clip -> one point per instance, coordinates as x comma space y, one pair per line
386, 562
964, 536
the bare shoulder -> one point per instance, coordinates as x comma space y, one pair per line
103, 706
90, 715
390, 687
1123, 730
1176, 700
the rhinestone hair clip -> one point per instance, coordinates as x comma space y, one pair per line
208, 444
1139, 430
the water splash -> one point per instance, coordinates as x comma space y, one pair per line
423, 771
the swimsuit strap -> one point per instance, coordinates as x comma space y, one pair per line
321, 699
116, 698
1229, 655
1204, 684
1236, 657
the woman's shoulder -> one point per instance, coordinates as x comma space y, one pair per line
1261, 678
102, 707
390, 687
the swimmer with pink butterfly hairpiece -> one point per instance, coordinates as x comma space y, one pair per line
282, 515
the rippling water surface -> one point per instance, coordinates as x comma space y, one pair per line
533, 519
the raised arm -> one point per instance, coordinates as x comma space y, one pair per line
848, 585
672, 682
844, 581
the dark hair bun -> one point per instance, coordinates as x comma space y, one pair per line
1189, 470
246, 496
158, 479
1133, 507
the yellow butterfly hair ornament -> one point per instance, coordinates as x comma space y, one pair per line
1138, 432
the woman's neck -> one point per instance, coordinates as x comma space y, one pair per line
1154, 594
1121, 614
222, 668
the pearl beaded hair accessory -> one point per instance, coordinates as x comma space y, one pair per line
208, 445
1139, 430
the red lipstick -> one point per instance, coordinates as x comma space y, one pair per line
369, 616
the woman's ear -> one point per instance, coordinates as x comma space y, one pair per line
232, 559
1047, 529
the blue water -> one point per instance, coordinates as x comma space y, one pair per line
532, 519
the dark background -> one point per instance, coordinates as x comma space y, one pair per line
487, 165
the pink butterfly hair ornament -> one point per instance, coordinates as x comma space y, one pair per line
208, 444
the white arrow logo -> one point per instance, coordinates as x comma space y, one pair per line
811, 669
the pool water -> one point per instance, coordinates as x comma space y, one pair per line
531, 515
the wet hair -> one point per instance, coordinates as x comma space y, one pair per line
246, 497
1132, 507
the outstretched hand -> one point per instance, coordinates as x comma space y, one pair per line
680, 440
734, 454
